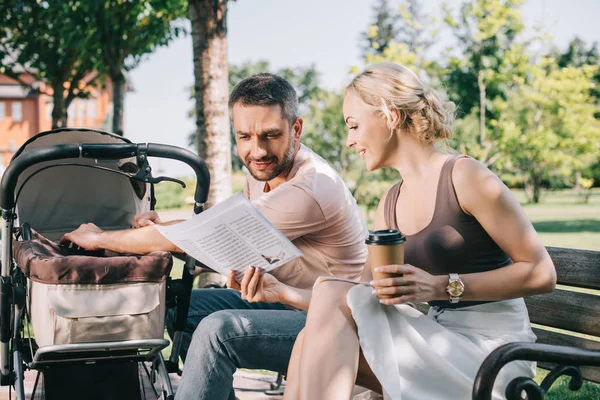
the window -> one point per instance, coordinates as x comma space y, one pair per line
2, 111
81, 105
17, 111
49, 109
71, 113
92, 108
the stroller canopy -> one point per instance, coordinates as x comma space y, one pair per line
56, 197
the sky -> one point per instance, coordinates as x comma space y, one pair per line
290, 33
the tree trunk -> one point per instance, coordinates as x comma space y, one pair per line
537, 187
578, 181
118, 86
209, 39
59, 110
533, 188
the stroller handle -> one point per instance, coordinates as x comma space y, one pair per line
101, 151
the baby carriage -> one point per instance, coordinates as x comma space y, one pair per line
97, 318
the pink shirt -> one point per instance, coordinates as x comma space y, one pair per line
315, 210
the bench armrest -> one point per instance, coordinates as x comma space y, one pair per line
563, 355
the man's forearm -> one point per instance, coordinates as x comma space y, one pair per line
136, 241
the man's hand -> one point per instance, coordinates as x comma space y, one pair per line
257, 286
146, 219
86, 236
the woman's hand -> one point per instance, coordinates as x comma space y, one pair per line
415, 285
257, 286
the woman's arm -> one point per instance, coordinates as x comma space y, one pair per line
481, 194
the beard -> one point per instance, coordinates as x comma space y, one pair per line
279, 165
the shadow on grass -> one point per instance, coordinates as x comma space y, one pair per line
572, 226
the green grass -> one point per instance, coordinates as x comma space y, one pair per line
564, 222
560, 389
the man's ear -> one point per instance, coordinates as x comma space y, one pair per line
297, 129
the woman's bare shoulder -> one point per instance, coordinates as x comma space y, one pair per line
475, 183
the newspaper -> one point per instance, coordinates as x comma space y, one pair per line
232, 236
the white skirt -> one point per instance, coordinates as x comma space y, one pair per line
436, 356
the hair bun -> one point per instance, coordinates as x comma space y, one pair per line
425, 113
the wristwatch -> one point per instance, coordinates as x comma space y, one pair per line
455, 288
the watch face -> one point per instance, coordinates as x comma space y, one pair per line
456, 288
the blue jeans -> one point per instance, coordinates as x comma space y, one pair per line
224, 332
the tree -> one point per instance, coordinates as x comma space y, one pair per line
382, 31
490, 64
51, 42
578, 55
413, 33
125, 31
548, 126
209, 39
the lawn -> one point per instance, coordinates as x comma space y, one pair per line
560, 389
561, 221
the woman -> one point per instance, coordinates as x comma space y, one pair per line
458, 218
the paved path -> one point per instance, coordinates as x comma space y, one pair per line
248, 386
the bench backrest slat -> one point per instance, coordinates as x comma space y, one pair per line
574, 267
568, 310
573, 311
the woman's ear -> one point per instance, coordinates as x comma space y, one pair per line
394, 121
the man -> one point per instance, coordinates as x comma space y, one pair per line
256, 325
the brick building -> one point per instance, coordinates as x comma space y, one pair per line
25, 112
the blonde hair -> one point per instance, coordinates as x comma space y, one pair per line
388, 86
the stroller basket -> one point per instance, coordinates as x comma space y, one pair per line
82, 298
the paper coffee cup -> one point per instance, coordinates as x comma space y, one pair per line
386, 247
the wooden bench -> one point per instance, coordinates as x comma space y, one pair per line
571, 307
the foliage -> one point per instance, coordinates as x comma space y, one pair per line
382, 31
578, 55
169, 195
593, 172
491, 63
485, 31
68, 44
521, 114
585, 191
48, 41
548, 125
405, 40
124, 32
